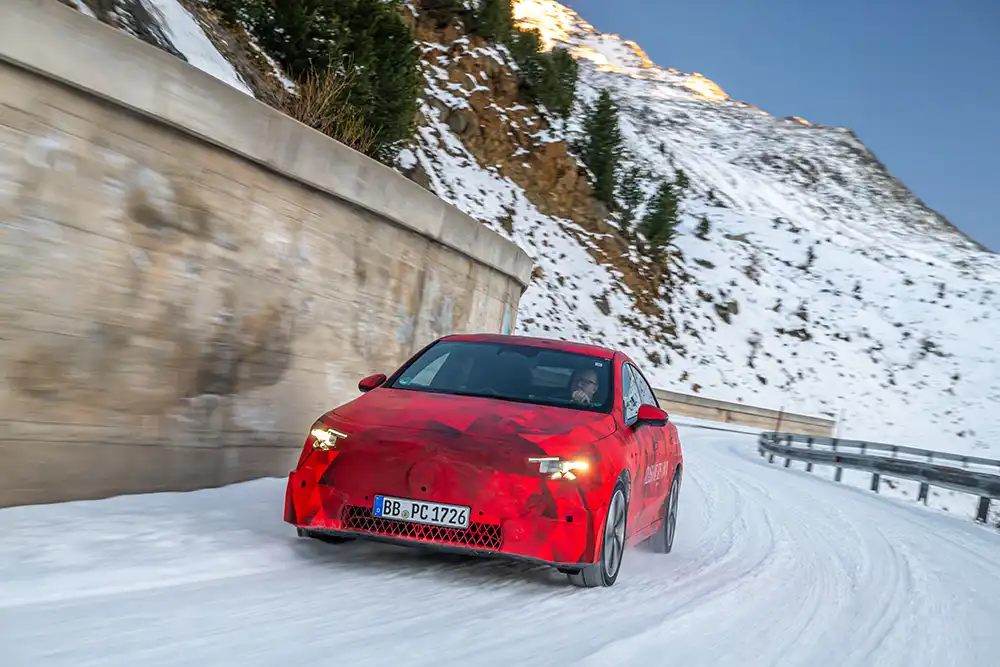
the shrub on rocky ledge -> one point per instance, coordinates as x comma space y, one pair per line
321, 102
366, 43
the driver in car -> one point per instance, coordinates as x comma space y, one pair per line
583, 386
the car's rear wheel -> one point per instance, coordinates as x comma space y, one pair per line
663, 541
322, 537
605, 571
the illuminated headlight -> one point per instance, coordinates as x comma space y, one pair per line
556, 468
326, 438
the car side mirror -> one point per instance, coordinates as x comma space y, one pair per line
371, 382
652, 415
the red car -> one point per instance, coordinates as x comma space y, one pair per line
526, 448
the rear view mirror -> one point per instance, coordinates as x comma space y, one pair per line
652, 415
371, 382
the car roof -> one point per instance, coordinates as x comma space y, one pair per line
531, 341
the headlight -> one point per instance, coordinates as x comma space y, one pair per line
326, 438
556, 468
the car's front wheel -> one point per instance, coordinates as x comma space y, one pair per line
605, 571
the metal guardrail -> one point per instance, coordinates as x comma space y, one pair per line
928, 467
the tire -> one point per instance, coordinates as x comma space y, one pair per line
663, 541
605, 571
322, 537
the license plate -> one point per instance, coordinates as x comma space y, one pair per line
419, 511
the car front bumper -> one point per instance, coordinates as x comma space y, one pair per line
551, 525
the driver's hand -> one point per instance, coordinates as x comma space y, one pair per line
580, 396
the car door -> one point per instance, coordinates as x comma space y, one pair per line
655, 441
631, 400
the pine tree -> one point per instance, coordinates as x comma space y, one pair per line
703, 228
549, 78
630, 197
603, 145
557, 89
494, 19
229, 10
524, 45
386, 59
681, 180
302, 35
660, 222
369, 37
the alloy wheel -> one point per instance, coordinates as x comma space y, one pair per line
614, 535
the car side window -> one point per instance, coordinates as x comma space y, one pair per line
646, 395
631, 399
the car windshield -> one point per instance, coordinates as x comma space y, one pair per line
511, 372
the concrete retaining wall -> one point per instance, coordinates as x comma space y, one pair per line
188, 277
744, 415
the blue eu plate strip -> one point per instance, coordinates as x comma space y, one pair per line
377, 507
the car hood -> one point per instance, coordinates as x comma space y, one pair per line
459, 421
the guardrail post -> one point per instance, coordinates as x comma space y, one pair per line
924, 490
809, 464
984, 509
763, 439
788, 443
875, 480
839, 473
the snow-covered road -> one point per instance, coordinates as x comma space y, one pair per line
771, 567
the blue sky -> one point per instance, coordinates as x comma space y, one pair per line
917, 80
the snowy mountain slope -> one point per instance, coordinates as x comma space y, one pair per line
890, 324
694, 117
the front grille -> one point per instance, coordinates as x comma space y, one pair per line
479, 535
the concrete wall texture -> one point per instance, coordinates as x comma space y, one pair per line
188, 278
